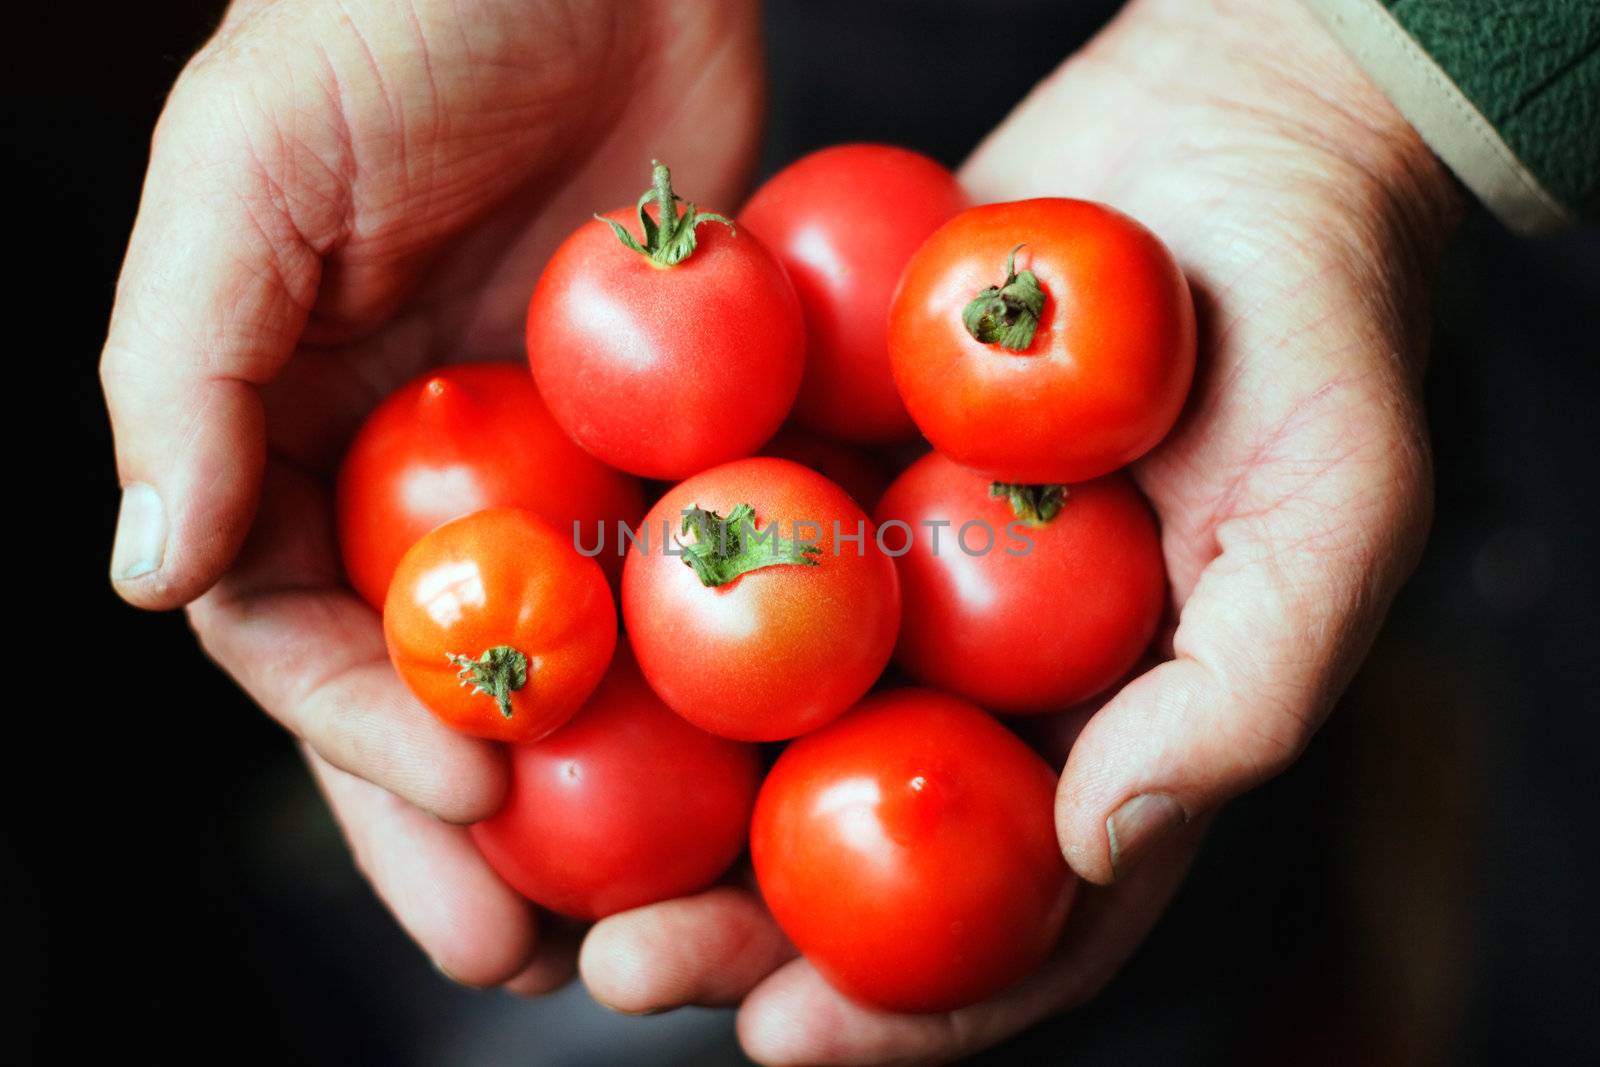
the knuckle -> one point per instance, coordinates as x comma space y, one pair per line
263, 128
334, 731
1272, 708
1275, 741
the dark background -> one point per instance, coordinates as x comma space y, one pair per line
1419, 888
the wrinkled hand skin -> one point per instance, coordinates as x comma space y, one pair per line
1295, 493
340, 195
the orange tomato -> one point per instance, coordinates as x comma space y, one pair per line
498, 625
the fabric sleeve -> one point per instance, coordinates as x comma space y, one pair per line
1505, 92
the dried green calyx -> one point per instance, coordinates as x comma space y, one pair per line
1007, 314
1033, 504
498, 673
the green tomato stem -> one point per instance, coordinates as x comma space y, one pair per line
669, 239
1007, 314
1033, 504
498, 673
725, 548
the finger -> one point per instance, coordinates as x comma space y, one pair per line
795, 1017
213, 293
311, 652
473, 926
1270, 635
555, 959
708, 949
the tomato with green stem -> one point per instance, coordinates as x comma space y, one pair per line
758, 601
498, 625
1043, 341
669, 352
1025, 599
844, 221
625, 805
909, 851
454, 441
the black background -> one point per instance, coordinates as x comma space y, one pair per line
1420, 887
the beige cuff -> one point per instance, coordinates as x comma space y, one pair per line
1457, 131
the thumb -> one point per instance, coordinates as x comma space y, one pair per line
1271, 634
213, 294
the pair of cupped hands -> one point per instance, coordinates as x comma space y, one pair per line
340, 195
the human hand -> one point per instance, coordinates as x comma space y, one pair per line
1294, 494
338, 197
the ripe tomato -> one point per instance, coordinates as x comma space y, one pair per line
844, 221
1043, 341
909, 851
1017, 632
666, 357
744, 631
625, 805
457, 440
856, 472
498, 625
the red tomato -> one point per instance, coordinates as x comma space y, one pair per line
1088, 346
498, 625
844, 221
457, 440
854, 471
625, 805
666, 362
909, 851
1017, 632
786, 637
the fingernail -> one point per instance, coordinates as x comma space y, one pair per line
141, 540
1138, 824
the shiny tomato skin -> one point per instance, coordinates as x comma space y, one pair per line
780, 650
1109, 366
665, 371
908, 849
1022, 633
857, 472
844, 221
454, 441
500, 577
623, 806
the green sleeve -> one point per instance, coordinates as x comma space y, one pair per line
1506, 92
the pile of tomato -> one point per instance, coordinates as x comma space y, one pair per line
760, 379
